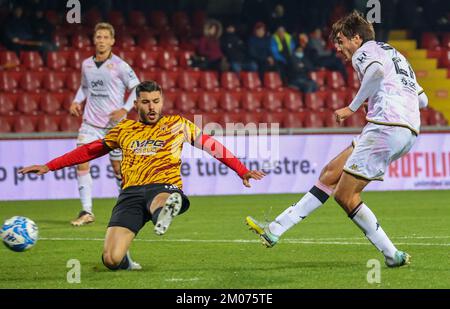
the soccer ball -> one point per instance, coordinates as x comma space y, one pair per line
19, 233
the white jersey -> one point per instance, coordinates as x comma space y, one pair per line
104, 89
396, 101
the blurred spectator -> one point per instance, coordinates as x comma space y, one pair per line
235, 51
298, 72
259, 49
278, 17
42, 29
282, 46
20, 35
210, 56
324, 57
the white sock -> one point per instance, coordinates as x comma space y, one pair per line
312, 200
365, 219
85, 189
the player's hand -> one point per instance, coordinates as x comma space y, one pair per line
35, 169
258, 175
118, 114
75, 109
342, 114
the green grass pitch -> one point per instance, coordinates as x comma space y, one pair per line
210, 246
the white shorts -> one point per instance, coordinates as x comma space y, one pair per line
376, 147
88, 134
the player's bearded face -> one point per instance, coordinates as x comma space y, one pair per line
149, 106
103, 41
345, 46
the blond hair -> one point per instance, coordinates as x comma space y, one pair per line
104, 26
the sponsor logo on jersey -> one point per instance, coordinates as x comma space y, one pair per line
146, 147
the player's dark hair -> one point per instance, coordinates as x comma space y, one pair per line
148, 86
351, 25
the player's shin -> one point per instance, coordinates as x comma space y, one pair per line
85, 189
365, 219
312, 200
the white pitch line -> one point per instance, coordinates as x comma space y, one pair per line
288, 241
181, 279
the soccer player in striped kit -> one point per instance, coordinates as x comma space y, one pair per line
393, 117
104, 80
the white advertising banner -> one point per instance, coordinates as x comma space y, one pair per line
292, 163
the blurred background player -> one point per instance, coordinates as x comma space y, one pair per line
104, 80
151, 173
395, 97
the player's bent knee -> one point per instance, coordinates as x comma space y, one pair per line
111, 261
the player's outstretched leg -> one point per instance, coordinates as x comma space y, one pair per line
115, 252
347, 194
164, 208
316, 197
84, 180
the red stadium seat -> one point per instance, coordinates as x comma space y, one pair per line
209, 80
61, 41
169, 101
31, 81
188, 80
329, 119
186, 102
125, 41
80, 41
429, 40
167, 60
31, 60
9, 59
70, 124
167, 79
54, 81
146, 59
168, 39
313, 120
424, 117
229, 101
51, 103
77, 57
353, 81
92, 17
73, 80
293, 101
251, 118
251, 101
67, 99
128, 56
5, 125
58, 60
208, 101
230, 81
444, 61
7, 104
273, 119
250, 80
146, 41
159, 20
211, 120
28, 103
116, 19
272, 80
184, 58
446, 40
147, 75
47, 123
437, 119
273, 101
315, 100
25, 124
9, 80
137, 19
335, 80
293, 120
336, 99
319, 77
231, 118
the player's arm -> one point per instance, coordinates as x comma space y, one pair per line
221, 153
423, 99
77, 156
370, 83
129, 78
80, 96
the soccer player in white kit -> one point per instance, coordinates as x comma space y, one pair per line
104, 81
393, 116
